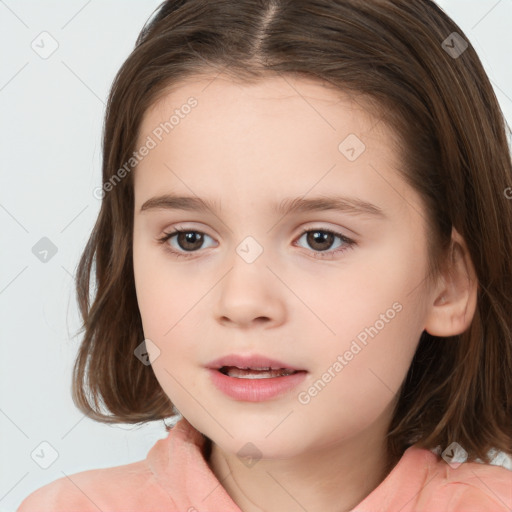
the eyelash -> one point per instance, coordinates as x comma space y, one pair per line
349, 243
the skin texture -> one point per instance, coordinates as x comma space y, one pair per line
248, 147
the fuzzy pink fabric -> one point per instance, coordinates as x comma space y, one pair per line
175, 477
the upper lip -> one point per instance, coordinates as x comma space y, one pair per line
249, 361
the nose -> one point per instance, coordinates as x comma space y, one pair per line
249, 294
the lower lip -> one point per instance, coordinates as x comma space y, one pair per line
255, 390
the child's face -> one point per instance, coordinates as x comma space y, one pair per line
352, 320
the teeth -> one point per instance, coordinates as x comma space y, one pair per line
256, 373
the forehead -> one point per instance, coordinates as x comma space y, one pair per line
278, 134
275, 98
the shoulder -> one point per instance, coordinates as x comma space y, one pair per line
465, 487
127, 487
474, 486
160, 482
58, 495
422, 481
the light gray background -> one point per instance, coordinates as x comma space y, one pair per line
51, 120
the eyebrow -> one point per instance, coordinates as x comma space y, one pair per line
351, 205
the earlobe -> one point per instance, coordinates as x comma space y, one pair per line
454, 299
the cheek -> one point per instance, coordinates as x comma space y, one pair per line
170, 309
163, 296
357, 381
365, 290
375, 312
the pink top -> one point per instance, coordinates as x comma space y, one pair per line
175, 477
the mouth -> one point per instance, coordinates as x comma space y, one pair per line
256, 373
253, 366
254, 378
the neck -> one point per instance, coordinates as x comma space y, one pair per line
333, 477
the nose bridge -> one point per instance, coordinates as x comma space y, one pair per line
249, 290
248, 275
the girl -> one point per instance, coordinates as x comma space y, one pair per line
303, 254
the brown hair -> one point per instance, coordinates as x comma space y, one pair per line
451, 135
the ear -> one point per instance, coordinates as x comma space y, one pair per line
453, 302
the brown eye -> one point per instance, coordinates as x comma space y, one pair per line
320, 240
189, 240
